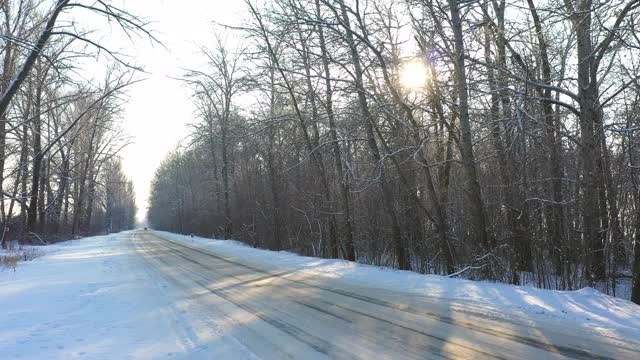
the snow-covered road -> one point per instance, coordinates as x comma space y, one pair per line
292, 314
146, 294
97, 298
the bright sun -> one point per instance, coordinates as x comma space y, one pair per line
413, 75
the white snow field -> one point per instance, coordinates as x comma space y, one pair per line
157, 295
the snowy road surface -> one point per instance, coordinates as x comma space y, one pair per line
146, 295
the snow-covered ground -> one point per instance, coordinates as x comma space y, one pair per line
95, 298
585, 306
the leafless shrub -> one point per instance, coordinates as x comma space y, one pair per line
10, 258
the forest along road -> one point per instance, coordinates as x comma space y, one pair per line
294, 315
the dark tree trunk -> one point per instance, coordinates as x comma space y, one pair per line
368, 120
343, 178
635, 290
587, 96
62, 192
32, 211
478, 221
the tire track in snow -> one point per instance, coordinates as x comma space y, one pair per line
433, 349
557, 349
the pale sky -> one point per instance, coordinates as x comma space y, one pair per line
160, 107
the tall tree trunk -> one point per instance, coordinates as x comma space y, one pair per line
555, 215
315, 155
613, 213
368, 120
635, 175
86, 164
516, 216
334, 243
32, 211
343, 179
85, 225
42, 196
587, 86
274, 179
478, 221
214, 161
228, 224
62, 191
23, 179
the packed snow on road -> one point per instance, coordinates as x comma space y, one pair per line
98, 298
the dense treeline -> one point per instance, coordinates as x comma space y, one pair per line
514, 159
59, 128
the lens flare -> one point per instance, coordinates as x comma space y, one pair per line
413, 75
